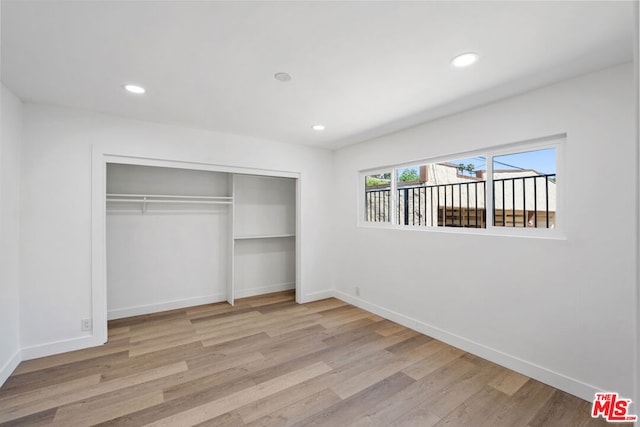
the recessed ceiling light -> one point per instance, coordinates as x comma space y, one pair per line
138, 90
283, 77
317, 127
465, 59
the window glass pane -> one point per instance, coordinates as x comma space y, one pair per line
524, 189
445, 194
377, 191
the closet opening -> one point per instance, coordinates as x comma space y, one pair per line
177, 237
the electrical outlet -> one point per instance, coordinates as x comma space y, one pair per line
86, 324
357, 291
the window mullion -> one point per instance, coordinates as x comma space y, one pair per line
393, 197
489, 201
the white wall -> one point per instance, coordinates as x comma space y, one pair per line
159, 262
11, 118
264, 205
560, 310
56, 175
636, 66
264, 266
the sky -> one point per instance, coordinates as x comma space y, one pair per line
542, 161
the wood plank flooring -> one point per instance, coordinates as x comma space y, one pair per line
270, 362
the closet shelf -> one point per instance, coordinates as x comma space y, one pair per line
265, 236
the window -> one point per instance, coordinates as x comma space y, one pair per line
504, 187
524, 189
442, 194
378, 197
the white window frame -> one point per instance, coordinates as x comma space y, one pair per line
362, 202
555, 141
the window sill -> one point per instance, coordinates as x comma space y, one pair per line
527, 233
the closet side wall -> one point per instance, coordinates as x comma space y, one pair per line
10, 169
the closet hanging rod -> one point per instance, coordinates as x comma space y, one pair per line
200, 202
169, 196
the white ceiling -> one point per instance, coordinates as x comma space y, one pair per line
362, 69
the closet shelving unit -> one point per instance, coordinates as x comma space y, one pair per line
264, 234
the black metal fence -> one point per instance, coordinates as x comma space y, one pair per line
449, 205
518, 202
378, 204
527, 201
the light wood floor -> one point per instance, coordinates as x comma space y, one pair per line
271, 362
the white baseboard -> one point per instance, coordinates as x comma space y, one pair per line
547, 376
244, 293
61, 346
7, 369
164, 306
316, 296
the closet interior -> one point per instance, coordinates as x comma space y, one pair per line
182, 237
